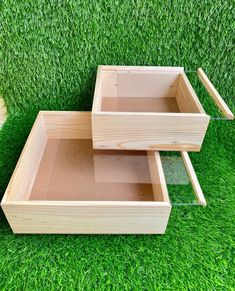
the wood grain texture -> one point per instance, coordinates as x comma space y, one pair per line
187, 99
3, 112
137, 124
21, 183
98, 91
67, 124
137, 81
142, 68
215, 94
193, 178
88, 217
142, 84
44, 216
157, 176
149, 131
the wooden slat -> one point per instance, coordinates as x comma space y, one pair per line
21, 183
88, 217
157, 177
215, 94
3, 112
98, 91
187, 97
149, 131
143, 68
193, 178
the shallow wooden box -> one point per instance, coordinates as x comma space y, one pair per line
146, 108
62, 185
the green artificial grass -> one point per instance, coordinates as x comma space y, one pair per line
49, 54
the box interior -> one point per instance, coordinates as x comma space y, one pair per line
149, 91
59, 164
71, 170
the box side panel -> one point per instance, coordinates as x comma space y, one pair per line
98, 91
146, 85
186, 97
87, 219
124, 84
68, 124
20, 185
157, 176
149, 132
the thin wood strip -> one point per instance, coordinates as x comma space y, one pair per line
215, 94
143, 68
85, 203
184, 98
98, 92
157, 176
68, 125
3, 112
21, 183
193, 178
189, 87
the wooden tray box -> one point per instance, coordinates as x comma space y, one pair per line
146, 108
62, 185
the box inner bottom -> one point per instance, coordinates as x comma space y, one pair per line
138, 104
71, 170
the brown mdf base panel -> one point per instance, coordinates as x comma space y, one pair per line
70, 170
136, 104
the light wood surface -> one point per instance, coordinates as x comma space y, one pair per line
88, 217
125, 114
67, 124
3, 112
214, 94
137, 81
149, 131
150, 69
53, 216
98, 90
21, 183
186, 97
157, 176
193, 178
137, 84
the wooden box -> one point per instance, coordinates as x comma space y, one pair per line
62, 185
146, 108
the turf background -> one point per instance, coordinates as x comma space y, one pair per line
49, 54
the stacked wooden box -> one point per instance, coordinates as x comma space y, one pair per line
101, 172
